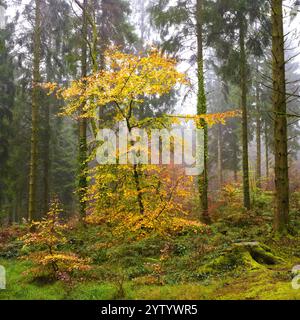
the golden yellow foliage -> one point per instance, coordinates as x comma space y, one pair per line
133, 199
43, 244
127, 80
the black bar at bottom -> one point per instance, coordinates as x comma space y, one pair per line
97, 310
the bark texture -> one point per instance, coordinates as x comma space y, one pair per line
258, 138
36, 92
280, 121
83, 122
243, 87
202, 109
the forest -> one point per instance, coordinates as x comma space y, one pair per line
149, 150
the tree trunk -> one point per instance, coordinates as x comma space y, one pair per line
220, 158
32, 201
83, 122
267, 150
281, 218
136, 173
47, 136
202, 109
243, 87
258, 138
235, 163
138, 189
46, 164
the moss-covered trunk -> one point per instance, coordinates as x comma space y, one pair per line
202, 109
267, 149
280, 121
258, 138
220, 158
243, 88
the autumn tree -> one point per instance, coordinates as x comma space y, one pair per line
123, 84
42, 247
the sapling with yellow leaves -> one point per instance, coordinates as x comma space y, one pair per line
42, 245
134, 197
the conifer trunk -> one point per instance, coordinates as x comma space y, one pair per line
220, 158
32, 200
46, 164
258, 139
243, 88
83, 122
202, 109
267, 150
47, 137
281, 217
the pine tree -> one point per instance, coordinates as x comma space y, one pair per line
7, 94
229, 34
281, 218
83, 122
36, 93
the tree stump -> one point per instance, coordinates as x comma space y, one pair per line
243, 255
259, 252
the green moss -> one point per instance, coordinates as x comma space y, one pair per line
228, 261
257, 283
262, 254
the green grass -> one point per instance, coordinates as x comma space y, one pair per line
260, 284
192, 266
18, 286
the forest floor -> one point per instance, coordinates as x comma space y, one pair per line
265, 285
237, 257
